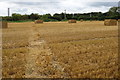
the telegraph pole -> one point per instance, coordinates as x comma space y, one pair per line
90, 15
65, 15
73, 15
8, 12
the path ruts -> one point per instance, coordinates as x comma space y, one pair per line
40, 60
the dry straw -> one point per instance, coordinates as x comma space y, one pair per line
72, 21
3, 24
38, 21
118, 22
110, 22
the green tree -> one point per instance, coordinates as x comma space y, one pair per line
16, 17
34, 16
46, 17
57, 17
113, 9
25, 17
113, 13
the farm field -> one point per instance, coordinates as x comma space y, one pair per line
85, 49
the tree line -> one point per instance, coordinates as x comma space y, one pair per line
111, 14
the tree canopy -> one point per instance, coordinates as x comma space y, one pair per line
111, 14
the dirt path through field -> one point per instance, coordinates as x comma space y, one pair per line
40, 60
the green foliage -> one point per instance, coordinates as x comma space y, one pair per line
58, 17
16, 17
45, 17
113, 9
34, 16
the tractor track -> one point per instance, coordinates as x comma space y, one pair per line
37, 62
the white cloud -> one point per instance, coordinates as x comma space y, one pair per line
53, 6
59, 0
4, 6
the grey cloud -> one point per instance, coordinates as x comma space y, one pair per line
107, 4
119, 4
35, 3
21, 10
54, 6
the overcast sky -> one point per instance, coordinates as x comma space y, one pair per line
55, 6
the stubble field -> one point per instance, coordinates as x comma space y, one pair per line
58, 49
